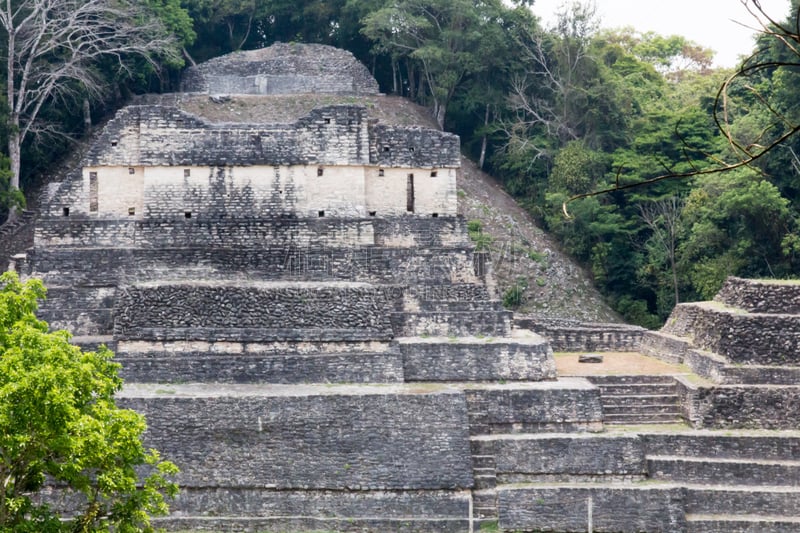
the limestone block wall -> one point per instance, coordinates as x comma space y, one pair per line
741, 407
573, 336
155, 135
282, 69
746, 338
761, 296
157, 161
255, 311
555, 508
558, 458
432, 276
308, 437
278, 232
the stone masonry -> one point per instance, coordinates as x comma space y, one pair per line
301, 316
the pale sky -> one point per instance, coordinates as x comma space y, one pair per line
711, 23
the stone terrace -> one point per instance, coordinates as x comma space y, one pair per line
356, 373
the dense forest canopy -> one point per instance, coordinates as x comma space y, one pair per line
555, 113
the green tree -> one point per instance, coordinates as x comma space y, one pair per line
443, 38
736, 224
59, 425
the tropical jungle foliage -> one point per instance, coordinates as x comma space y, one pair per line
555, 113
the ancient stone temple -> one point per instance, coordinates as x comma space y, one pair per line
279, 266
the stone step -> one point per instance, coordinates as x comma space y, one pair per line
768, 445
643, 410
640, 400
485, 499
760, 500
483, 461
636, 419
714, 471
484, 512
633, 389
485, 482
632, 380
713, 523
294, 523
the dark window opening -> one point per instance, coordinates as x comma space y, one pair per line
320, 171
410, 193
381, 172
320, 214
187, 172
410, 148
93, 192
435, 215
434, 173
372, 213
187, 214
131, 211
65, 211
113, 143
385, 148
327, 121
131, 170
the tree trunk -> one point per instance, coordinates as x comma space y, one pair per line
87, 117
439, 110
14, 156
412, 82
484, 138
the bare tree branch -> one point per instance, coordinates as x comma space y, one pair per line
746, 154
53, 47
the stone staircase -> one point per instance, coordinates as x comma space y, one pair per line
677, 482
734, 483
638, 399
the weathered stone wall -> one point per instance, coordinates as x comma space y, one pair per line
255, 311
474, 359
308, 437
573, 336
160, 162
570, 404
282, 69
556, 458
761, 296
318, 510
275, 232
566, 509
746, 338
253, 362
744, 407
432, 276
334, 135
